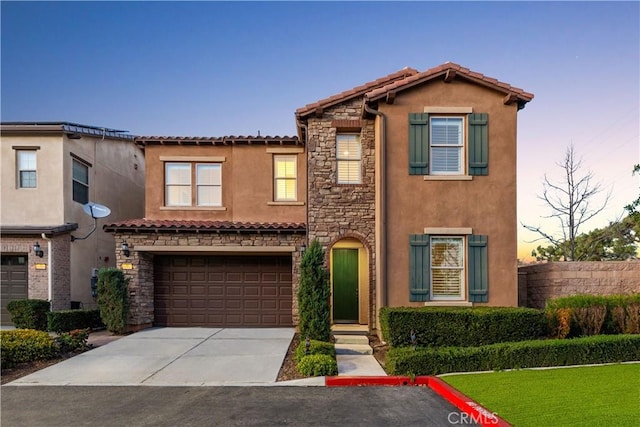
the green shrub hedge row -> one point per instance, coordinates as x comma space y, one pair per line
29, 313
524, 354
315, 347
25, 345
460, 327
622, 313
69, 320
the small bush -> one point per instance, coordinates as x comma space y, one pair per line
317, 365
440, 326
559, 322
524, 354
315, 347
29, 313
68, 320
72, 341
590, 319
611, 324
113, 299
25, 345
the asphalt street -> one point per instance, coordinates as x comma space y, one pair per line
52, 406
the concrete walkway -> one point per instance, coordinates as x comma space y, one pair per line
355, 357
176, 356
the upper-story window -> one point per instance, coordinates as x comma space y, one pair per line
80, 182
349, 158
179, 190
285, 178
27, 172
446, 145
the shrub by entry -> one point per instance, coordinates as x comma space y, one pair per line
313, 295
29, 313
113, 299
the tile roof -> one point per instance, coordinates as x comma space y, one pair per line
155, 225
221, 140
356, 91
415, 79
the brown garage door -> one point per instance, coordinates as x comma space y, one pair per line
223, 290
13, 283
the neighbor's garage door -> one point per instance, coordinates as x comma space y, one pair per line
223, 290
13, 283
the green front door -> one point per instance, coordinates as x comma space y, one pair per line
345, 285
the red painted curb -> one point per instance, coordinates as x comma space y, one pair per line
476, 412
346, 381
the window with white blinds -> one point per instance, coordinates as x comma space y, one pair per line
349, 158
179, 190
447, 268
445, 144
285, 178
27, 173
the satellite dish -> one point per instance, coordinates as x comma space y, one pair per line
95, 210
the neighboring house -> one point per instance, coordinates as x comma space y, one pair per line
408, 182
49, 172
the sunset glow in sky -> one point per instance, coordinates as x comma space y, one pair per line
231, 68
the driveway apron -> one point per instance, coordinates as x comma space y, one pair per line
176, 357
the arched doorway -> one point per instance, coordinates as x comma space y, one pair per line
350, 282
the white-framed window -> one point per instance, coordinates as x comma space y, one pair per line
179, 190
349, 159
446, 143
27, 171
80, 181
447, 267
285, 178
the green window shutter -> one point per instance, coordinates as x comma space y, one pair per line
418, 144
478, 144
478, 269
419, 267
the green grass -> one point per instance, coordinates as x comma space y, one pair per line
607, 395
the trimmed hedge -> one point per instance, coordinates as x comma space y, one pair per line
315, 347
622, 314
69, 320
25, 345
515, 355
29, 313
317, 365
461, 326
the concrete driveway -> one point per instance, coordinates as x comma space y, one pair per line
176, 357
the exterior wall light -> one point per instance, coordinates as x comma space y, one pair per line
125, 249
37, 250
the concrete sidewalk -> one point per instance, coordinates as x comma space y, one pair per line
175, 356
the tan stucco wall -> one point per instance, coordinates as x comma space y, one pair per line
32, 206
487, 204
116, 180
247, 185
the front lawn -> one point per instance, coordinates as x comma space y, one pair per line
584, 396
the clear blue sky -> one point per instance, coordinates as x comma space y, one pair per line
230, 68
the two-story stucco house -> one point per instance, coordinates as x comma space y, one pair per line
50, 171
408, 181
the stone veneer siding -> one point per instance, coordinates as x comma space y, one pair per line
141, 286
337, 211
38, 280
541, 282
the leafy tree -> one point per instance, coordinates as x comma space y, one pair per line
633, 207
313, 295
571, 204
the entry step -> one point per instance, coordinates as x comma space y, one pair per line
354, 349
351, 339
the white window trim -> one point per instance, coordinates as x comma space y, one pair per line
463, 284
19, 171
285, 157
463, 147
193, 184
197, 186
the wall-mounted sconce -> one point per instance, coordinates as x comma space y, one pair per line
303, 248
37, 250
125, 249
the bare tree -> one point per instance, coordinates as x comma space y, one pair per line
571, 203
